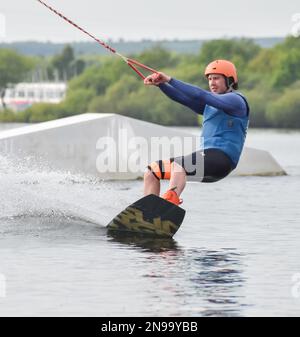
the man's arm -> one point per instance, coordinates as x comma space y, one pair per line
178, 96
230, 103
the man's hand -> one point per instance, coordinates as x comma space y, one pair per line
156, 79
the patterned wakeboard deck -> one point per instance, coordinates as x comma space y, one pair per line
151, 216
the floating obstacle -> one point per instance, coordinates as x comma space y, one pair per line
112, 146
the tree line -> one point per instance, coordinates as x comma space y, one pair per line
269, 77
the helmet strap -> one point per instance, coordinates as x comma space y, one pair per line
230, 83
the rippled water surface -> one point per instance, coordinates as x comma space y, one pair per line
236, 254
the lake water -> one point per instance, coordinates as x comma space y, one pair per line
236, 254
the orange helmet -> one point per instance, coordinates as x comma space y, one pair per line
223, 67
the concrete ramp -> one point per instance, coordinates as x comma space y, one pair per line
255, 162
111, 146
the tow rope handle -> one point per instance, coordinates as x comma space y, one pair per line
131, 64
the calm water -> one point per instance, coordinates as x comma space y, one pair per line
236, 254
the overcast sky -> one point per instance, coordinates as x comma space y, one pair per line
147, 19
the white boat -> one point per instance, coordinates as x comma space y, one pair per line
22, 95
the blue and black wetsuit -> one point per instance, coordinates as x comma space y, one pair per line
225, 124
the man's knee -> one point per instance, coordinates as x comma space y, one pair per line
149, 176
160, 169
177, 168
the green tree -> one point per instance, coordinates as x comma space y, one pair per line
158, 58
41, 112
77, 101
62, 62
288, 69
114, 97
279, 66
240, 51
285, 111
258, 99
97, 77
66, 64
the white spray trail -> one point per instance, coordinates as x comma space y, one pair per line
31, 191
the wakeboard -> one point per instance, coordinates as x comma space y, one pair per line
151, 216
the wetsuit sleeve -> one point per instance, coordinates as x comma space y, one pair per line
230, 103
178, 96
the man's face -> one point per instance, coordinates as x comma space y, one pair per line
217, 83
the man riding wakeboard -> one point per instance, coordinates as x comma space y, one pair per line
225, 123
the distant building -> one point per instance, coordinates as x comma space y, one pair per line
22, 95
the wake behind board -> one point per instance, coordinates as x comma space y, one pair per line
150, 215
